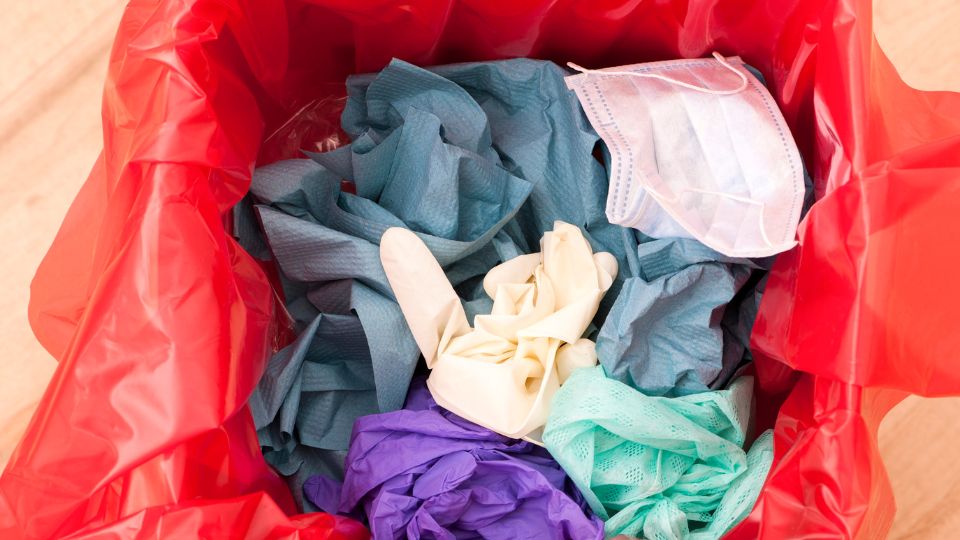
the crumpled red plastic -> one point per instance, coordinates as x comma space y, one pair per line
162, 325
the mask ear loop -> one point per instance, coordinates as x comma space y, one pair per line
723, 61
763, 229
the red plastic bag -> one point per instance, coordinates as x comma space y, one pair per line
162, 325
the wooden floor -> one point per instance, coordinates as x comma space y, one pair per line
53, 59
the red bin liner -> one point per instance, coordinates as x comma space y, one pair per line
162, 324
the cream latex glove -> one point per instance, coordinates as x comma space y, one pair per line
502, 373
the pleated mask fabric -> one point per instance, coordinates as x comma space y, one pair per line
699, 150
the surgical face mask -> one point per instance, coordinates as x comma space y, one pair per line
698, 150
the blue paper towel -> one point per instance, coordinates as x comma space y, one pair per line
479, 160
